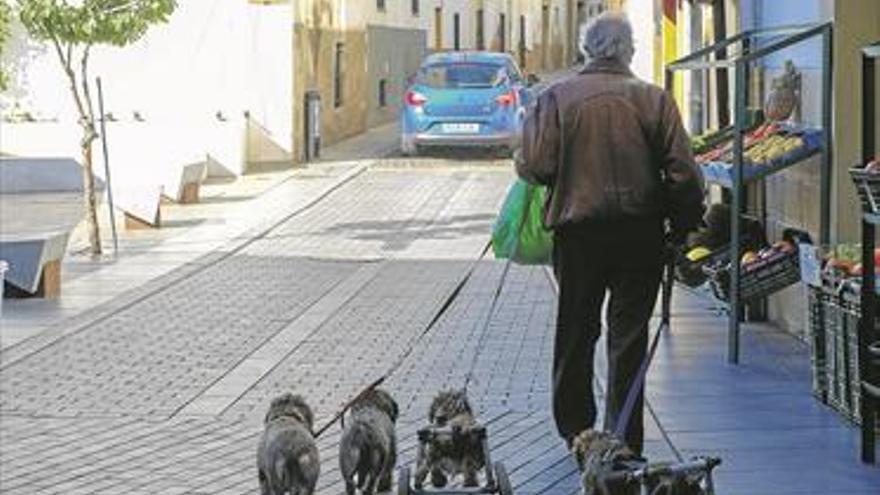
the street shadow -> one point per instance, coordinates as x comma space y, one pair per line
397, 235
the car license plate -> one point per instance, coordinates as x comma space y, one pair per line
460, 128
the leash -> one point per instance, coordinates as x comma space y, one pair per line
447, 303
496, 295
485, 325
638, 382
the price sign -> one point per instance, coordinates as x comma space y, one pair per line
811, 265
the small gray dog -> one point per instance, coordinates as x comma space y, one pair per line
599, 454
287, 456
462, 453
368, 447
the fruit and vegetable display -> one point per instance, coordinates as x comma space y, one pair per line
763, 271
754, 260
710, 244
770, 145
774, 144
845, 260
712, 139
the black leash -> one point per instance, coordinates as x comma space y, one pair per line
484, 331
447, 303
638, 382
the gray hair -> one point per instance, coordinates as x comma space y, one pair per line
608, 36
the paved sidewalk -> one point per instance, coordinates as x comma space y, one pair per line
191, 234
165, 393
157, 382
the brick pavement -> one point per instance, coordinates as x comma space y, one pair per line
101, 402
164, 394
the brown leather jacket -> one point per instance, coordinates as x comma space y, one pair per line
619, 137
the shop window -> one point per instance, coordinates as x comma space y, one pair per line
481, 40
383, 93
416, 7
502, 33
338, 74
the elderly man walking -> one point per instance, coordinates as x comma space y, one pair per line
617, 162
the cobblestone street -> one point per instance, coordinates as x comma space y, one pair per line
162, 391
166, 394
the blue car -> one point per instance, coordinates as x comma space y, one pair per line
465, 99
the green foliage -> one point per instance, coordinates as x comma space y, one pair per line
93, 22
5, 21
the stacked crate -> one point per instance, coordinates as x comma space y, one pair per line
834, 310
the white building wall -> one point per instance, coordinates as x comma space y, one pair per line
212, 56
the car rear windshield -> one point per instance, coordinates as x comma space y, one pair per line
461, 75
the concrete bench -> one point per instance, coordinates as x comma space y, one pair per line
148, 161
41, 202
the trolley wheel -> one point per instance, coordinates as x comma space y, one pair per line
502, 481
403, 481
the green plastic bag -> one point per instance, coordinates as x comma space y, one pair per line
519, 232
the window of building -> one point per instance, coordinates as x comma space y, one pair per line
383, 93
338, 74
438, 28
456, 30
416, 7
502, 33
481, 40
380, 5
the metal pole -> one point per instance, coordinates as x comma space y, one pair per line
865, 336
107, 167
827, 174
736, 211
867, 333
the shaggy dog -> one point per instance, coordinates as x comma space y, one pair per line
368, 447
287, 457
460, 453
601, 454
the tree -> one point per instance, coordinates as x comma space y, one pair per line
5, 25
74, 27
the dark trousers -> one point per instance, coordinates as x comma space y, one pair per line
624, 261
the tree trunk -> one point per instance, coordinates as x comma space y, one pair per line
91, 202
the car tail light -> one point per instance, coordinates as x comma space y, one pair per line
508, 98
415, 99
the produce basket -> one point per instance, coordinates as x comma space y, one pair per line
817, 302
868, 186
763, 277
850, 304
834, 311
692, 273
